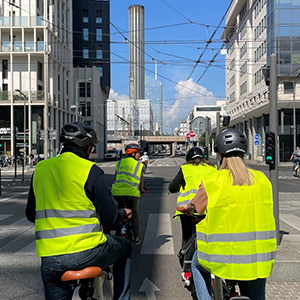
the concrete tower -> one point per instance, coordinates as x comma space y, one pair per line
136, 52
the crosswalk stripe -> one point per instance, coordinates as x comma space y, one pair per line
291, 220
28, 250
4, 216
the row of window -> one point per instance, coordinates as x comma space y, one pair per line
86, 54
232, 97
260, 51
258, 7
243, 30
86, 34
232, 81
258, 76
243, 69
243, 88
86, 20
243, 50
260, 28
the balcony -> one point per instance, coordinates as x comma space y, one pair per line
37, 21
20, 21
4, 21
4, 96
37, 96
18, 97
29, 46
40, 46
5, 46
17, 46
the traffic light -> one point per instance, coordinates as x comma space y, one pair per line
206, 152
270, 150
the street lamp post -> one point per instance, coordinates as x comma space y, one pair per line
25, 121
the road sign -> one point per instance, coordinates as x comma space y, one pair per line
192, 133
188, 136
256, 142
257, 137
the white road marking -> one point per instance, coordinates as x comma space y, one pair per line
14, 196
291, 220
28, 250
158, 236
4, 216
149, 288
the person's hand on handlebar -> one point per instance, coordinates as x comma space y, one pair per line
188, 209
128, 214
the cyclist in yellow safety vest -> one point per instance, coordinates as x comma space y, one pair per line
186, 182
237, 238
128, 184
67, 201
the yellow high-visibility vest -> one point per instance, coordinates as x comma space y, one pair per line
193, 175
237, 239
128, 178
65, 219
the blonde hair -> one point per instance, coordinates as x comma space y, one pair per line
238, 170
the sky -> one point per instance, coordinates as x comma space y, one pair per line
176, 35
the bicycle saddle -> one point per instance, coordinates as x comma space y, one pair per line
89, 272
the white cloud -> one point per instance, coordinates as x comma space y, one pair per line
188, 95
115, 96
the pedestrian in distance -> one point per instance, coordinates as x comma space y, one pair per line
68, 200
128, 184
186, 182
237, 238
295, 157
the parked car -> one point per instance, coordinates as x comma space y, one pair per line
113, 155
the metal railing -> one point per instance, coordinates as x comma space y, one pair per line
37, 96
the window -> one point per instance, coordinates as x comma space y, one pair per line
243, 88
67, 87
98, 20
81, 89
40, 71
88, 89
58, 82
4, 69
85, 20
85, 34
100, 69
85, 53
4, 87
99, 54
288, 86
98, 34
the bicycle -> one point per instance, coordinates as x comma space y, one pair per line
296, 171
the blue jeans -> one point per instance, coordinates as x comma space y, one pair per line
254, 289
115, 250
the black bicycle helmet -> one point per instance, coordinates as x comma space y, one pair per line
193, 153
79, 134
230, 141
131, 148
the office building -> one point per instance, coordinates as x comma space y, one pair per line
254, 30
153, 91
36, 74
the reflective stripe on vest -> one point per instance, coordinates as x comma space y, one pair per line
193, 175
66, 220
237, 259
128, 177
237, 239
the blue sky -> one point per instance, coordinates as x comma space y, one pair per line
175, 36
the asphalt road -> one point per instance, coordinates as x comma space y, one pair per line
156, 271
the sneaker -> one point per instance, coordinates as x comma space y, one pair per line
138, 240
186, 278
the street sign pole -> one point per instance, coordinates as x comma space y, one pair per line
274, 128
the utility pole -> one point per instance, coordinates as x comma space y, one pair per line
274, 128
217, 132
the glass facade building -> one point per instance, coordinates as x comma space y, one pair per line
283, 35
153, 91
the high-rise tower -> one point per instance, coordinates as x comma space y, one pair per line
136, 52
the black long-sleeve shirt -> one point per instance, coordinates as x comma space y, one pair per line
177, 182
96, 190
